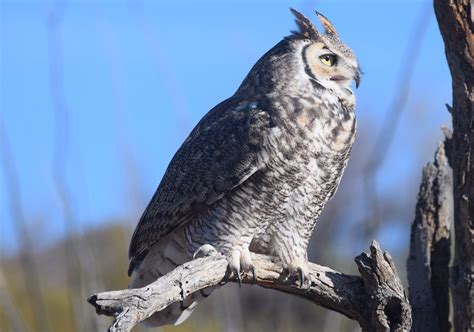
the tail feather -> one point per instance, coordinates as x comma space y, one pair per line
162, 258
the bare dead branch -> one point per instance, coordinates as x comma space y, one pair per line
376, 300
428, 264
392, 118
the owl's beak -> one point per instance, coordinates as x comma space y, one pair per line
339, 78
357, 78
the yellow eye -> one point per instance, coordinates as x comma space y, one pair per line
328, 59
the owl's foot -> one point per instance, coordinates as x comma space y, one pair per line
298, 268
240, 261
205, 251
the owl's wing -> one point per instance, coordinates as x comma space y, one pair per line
222, 151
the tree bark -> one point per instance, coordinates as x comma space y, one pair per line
376, 299
455, 23
428, 264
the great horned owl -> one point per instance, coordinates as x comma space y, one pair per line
257, 170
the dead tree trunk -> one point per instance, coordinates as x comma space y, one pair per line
428, 264
455, 23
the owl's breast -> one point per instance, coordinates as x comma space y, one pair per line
329, 141
310, 154
307, 130
305, 155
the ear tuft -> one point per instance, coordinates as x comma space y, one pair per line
328, 26
307, 29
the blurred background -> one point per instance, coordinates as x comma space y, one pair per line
96, 96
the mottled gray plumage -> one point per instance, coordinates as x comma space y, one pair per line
258, 169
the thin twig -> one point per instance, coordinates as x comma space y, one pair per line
80, 266
28, 263
392, 119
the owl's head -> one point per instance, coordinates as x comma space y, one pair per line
305, 59
326, 58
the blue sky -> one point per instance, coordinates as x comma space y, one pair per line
137, 76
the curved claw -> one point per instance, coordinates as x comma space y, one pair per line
308, 277
239, 278
254, 274
301, 276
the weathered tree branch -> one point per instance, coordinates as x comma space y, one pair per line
455, 23
428, 264
376, 299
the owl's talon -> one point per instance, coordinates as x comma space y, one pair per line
254, 274
298, 268
308, 277
234, 274
239, 278
204, 251
240, 262
301, 276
